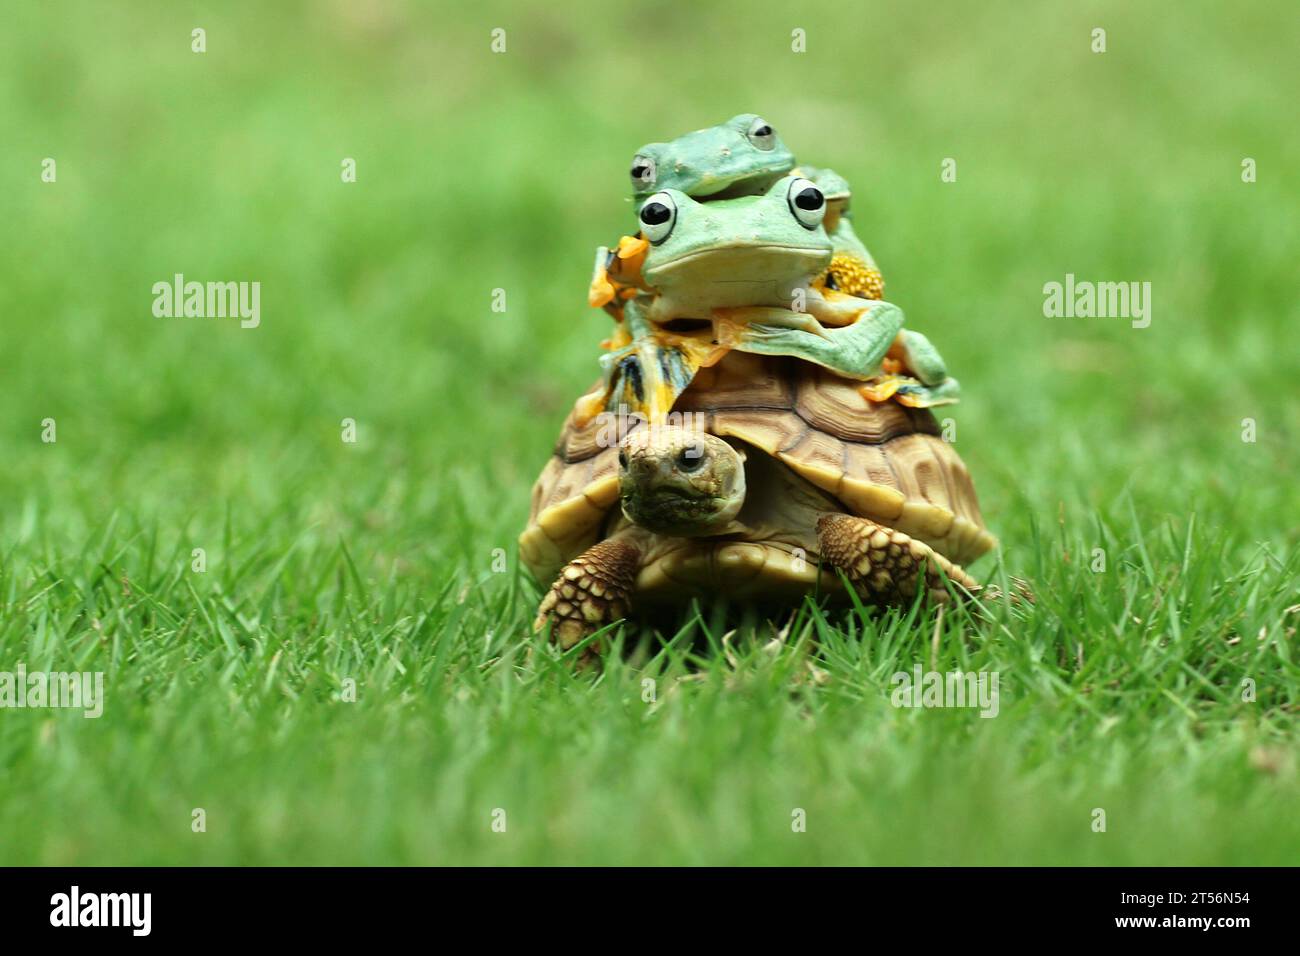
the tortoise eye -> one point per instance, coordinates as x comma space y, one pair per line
690, 458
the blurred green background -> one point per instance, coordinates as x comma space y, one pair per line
478, 171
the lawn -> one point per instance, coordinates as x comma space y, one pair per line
351, 677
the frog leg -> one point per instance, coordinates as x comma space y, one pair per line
885, 565
729, 324
919, 379
592, 590
854, 350
920, 357
601, 291
837, 308
824, 307
647, 375
908, 391
639, 325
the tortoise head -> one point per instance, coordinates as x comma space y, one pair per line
680, 482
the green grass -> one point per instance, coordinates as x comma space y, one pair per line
373, 562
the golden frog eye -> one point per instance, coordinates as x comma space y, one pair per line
658, 215
807, 203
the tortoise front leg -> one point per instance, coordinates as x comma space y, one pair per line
886, 565
594, 589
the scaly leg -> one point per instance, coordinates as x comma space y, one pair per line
885, 565
592, 590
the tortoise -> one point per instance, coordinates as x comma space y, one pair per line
771, 477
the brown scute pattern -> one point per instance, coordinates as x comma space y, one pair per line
931, 483
579, 459
577, 444
741, 380
567, 527
573, 479
964, 494
867, 454
773, 431
940, 471
818, 450
902, 455
541, 488
833, 405
869, 463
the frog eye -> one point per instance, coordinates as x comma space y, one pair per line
658, 215
807, 203
762, 135
643, 170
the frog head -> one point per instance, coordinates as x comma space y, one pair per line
751, 250
740, 157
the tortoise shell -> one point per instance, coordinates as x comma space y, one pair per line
881, 460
